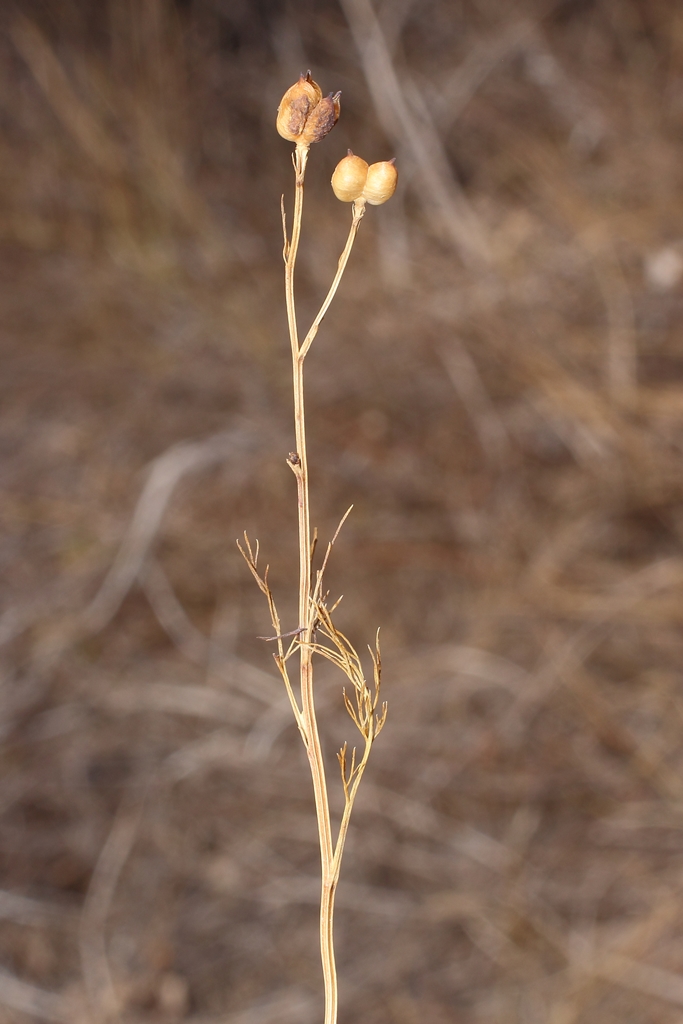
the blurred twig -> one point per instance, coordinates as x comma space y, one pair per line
621, 355
34, 1001
27, 911
470, 388
290, 1005
454, 90
99, 984
413, 129
164, 475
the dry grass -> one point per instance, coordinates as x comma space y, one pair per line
498, 389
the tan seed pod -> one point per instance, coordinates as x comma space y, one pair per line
380, 183
295, 107
349, 177
321, 119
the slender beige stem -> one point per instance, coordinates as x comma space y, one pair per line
358, 211
292, 246
346, 817
330, 855
313, 746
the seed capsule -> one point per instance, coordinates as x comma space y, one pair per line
380, 183
303, 115
348, 180
295, 106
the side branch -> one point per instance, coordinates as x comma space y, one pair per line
250, 556
358, 211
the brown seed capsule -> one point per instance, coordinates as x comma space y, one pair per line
349, 177
295, 107
380, 183
321, 119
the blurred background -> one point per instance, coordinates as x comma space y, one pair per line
498, 389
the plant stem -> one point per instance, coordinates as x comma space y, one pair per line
358, 211
330, 855
313, 746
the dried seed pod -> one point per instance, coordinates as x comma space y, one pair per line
321, 119
348, 180
380, 183
295, 107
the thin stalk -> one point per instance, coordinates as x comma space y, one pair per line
313, 746
350, 795
358, 211
330, 855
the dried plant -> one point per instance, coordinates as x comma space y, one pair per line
305, 117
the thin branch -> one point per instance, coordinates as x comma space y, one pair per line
102, 996
358, 211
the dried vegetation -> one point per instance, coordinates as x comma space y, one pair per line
499, 391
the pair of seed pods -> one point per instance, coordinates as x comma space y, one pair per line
354, 180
